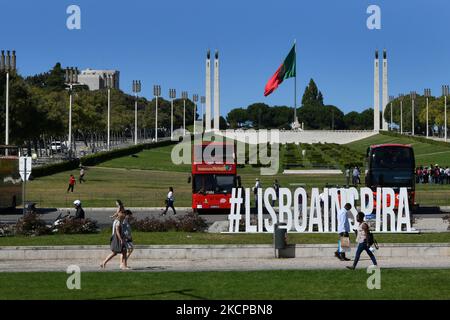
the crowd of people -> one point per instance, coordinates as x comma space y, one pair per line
433, 174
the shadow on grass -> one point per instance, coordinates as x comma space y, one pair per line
182, 292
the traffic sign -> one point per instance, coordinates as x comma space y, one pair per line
25, 167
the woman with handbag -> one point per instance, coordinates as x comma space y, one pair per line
118, 245
362, 237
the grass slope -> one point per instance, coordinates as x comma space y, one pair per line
425, 153
144, 180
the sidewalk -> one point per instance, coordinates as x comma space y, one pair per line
150, 265
220, 257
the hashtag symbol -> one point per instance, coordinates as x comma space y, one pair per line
234, 217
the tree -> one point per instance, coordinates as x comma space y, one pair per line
312, 96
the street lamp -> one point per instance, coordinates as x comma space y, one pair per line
202, 102
391, 98
172, 95
184, 96
195, 99
445, 93
136, 90
109, 86
401, 96
412, 94
156, 93
71, 79
7, 66
427, 93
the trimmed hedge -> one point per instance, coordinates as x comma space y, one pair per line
95, 159
415, 138
55, 168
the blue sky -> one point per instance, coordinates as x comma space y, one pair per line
165, 42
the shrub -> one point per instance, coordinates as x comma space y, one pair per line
187, 223
191, 223
77, 226
31, 225
6, 230
55, 168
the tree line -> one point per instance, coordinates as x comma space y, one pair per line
39, 110
313, 113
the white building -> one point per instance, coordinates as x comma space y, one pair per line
97, 79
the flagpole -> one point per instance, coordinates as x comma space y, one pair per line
295, 83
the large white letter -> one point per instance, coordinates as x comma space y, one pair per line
315, 207
378, 211
269, 194
388, 209
352, 196
326, 210
403, 205
336, 206
285, 207
248, 226
366, 206
300, 192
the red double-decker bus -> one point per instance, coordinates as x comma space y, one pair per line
391, 165
212, 183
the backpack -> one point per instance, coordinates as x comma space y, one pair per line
371, 240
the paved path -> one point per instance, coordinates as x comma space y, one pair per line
147, 265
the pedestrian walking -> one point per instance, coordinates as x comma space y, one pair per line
343, 231
81, 178
126, 227
120, 208
255, 191
347, 176
276, 186
362, 238
72, 182
117, 243
355, 174
169, 202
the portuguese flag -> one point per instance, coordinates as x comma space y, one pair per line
286, 70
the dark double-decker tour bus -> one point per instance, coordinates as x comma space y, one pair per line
10, 181
393, 166
212, 183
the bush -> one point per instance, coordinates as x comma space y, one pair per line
31, 225
77, 226
55, 168
6, 230
94, 159
187, 223
415, 138
97, 158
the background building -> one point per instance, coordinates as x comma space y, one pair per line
97, 79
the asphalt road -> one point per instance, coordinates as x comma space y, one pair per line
103, 215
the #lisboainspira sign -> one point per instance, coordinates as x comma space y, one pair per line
318, 212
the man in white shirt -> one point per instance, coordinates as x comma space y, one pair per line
255, 191
343, 229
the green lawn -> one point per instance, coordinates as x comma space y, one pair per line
163, 238
425, 153
262, 285
144, 180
